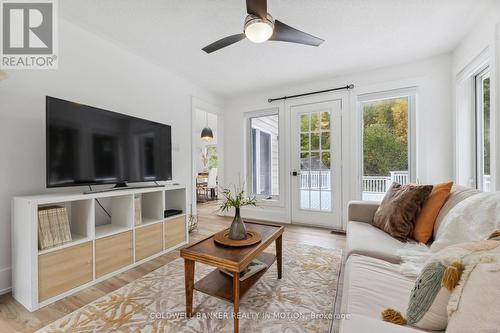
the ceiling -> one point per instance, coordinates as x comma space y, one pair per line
359, 34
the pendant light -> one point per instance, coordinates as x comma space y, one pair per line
206, 132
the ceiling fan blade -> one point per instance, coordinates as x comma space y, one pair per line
257, 8
221, 43
285, 33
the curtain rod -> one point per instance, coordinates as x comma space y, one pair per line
349, 86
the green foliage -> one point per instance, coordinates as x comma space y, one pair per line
385, 137
237, 200
383, 151
212, 157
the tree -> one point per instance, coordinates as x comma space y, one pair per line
383, 151
400, 116
385, 136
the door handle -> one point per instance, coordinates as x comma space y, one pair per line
295, 173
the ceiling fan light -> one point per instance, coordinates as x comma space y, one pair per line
257, 29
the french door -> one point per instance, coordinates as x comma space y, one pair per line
316, 164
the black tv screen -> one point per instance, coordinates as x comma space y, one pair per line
90, 146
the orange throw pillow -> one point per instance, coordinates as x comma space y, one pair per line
424, 224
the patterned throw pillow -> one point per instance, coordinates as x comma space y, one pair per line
429, 303
399, 208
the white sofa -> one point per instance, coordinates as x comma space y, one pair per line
372, 279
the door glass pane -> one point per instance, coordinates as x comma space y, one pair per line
325, 140
315, 200
325, 161
315, 165
325, 180
385, 146
315, 161
314, 122
326, 200
305, 163
304, 199
325, 121
314, 141
304, 142
304, 123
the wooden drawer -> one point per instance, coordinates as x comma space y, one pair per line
175, 231
148, 241
65, 269
113, 253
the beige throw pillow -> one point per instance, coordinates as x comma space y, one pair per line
479, 302
399, 208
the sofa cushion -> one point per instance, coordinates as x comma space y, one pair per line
399, 208
366, 239
424, 224
457, 194
372, 285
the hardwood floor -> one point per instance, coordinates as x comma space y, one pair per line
14, 318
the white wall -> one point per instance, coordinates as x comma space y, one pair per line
433, 118
482, 39
91, 71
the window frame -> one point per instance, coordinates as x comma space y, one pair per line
411, 94
265, 200
465, 122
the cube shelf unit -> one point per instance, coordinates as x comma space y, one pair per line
105, 240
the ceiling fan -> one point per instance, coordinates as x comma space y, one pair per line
260, 26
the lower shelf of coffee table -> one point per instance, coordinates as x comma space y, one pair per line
220, 285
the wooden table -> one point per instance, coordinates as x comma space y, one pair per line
233, 259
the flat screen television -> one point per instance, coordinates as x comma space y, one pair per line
89, 146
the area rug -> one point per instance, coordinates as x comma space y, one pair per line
302, 301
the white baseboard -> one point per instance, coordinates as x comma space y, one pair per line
5, 280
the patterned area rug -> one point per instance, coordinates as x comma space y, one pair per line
302, 301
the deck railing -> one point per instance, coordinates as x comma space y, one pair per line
371, 184
380, 184
315, 179
375, 184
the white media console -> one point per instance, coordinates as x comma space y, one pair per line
101, 245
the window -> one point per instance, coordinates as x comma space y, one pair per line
263, 175
483, 150
386, 142
212, 157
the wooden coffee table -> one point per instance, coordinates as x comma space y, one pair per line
233, 259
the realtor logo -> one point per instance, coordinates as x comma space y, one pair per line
29, 39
